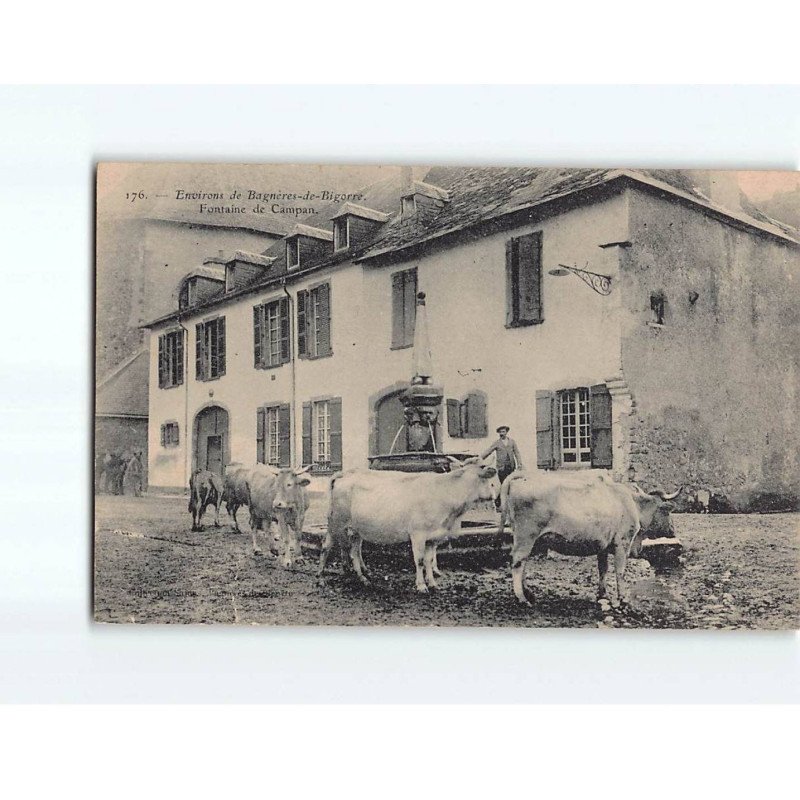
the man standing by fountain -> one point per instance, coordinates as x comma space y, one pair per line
507, 455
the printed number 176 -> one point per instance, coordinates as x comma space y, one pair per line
134, 196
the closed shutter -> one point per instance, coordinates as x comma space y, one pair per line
409, 306
258, 336
512, 283
529, 259
453, 418
547, 449
307, 455
221, 346
284, 435
476, 415
162, 362
179, 357
335, 409
323, 320
283, 317
302, 323
600, 415
163, 435
398, 295
200, 352
261, 426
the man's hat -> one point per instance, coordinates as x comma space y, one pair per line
503, 428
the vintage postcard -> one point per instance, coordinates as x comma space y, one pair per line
440, 396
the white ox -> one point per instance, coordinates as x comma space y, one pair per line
387, 507
581, 516
280, 495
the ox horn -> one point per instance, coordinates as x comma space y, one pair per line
669, 496
300, 471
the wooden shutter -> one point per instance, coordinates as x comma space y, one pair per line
476, 415
409, 306
307, 453
162, 363
261, 427
547, 448
178, 357
283, 322
284, 435
529, 272
302, 324
398, 328
323, 320
453, 418
258, 336
163, 435
512, 283
200, 352
335, 409
221, 346
524, 280
600, 416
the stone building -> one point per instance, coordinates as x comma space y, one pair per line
642, 322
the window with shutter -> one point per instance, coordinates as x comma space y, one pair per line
404, 307
575, 426
546, 430
169, 434
475, 424
302, 323
600, 415
335, 410
200, 352
284, 435
271, 333
162, 363
453, 418
260, 427
170, 359
285, 346
307, 452
258, 336
524, 280
210, 349
314, 322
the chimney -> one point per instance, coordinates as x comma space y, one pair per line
406, 179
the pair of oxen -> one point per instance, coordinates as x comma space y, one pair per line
268, 492
577, 513
574, 513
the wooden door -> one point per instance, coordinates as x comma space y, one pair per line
214, 454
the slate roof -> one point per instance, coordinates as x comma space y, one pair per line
124, 390
478, 194
483, 195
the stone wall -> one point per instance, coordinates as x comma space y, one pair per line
716, 387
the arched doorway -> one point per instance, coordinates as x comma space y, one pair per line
387, 418
211, 440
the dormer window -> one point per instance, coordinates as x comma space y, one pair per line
408, 206
341, 233
293, 252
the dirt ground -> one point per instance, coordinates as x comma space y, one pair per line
737, 572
